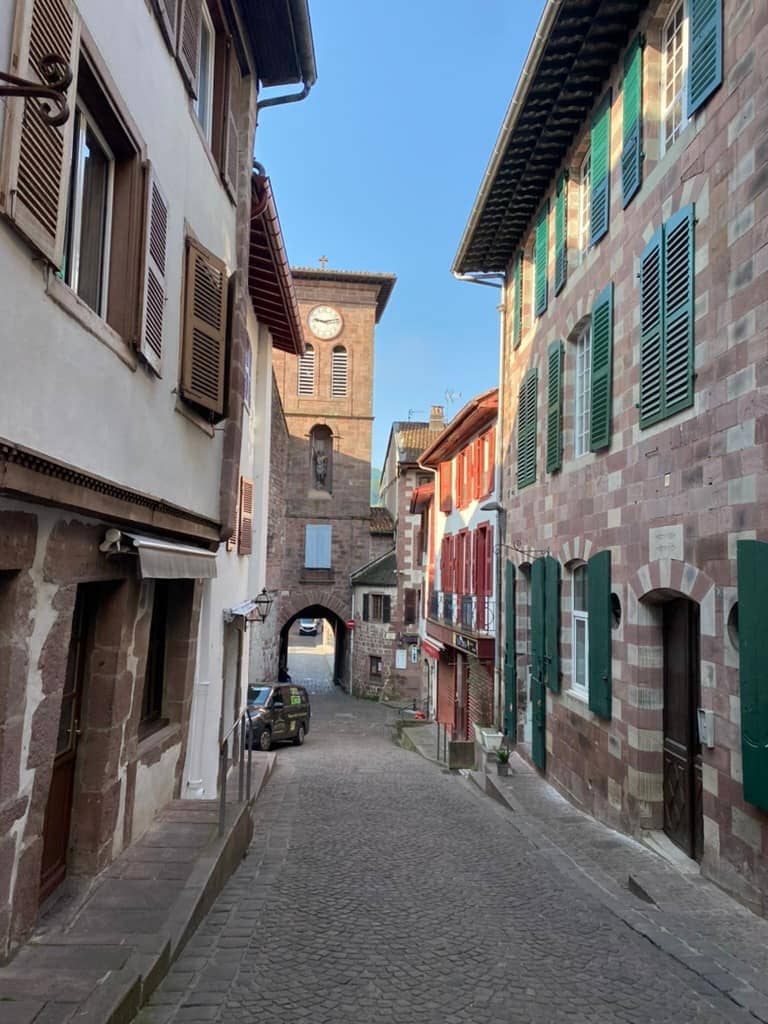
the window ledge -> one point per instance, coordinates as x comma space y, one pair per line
74, 306
576, 702
155, 742
193, 417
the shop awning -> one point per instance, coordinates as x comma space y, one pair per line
162, 559
432, 649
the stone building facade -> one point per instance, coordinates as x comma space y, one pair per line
634, 448
376, 670
327, 398
134, 373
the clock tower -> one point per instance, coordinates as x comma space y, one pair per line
327, 399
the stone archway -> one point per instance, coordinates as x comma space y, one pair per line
317, 605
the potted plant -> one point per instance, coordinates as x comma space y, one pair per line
502, 761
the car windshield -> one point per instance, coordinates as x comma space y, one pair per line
258, 694
306, 622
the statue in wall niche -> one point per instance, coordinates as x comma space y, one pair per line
321, 468
321, 443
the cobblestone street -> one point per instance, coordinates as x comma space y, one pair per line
378, 888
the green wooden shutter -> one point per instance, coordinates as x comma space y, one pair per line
517, 312
542, 253
538, 691
632, 115
510, 666
705, 68
651, 331
600, 171
752, 567
552, 623
561, 232
526, 429
678, 311
554, 407
599, 635
601, 384
386, 609
366, 603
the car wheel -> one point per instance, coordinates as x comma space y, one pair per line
265, 740
298, 739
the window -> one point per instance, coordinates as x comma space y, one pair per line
89, 217
584, 205
582, 385
154, 678
339, 372
306, 385
674, 52
541, 259
317, 547
410, 606
579, 631
377, 608
600, 170
205, 65
375, 665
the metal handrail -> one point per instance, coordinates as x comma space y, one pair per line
240, 728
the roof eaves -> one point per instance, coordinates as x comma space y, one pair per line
384, 282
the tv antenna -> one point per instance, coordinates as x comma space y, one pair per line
412, 413
451, 396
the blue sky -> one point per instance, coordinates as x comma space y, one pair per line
378, 170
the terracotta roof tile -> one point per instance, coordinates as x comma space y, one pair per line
381, 520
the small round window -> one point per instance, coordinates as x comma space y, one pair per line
733, 624
615, 611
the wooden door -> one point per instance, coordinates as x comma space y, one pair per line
538, 665
510, 653
58, 811
462, 718
683, 818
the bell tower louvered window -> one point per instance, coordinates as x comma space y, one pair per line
307, 372
339, 373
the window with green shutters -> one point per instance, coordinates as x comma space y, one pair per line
601, 384
600, 171
517, 312
632, 121
599, 616
554, 406
752, 570
552, 623
666, 320
542, 252
705, 62
526, 429
561, 232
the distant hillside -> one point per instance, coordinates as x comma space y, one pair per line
375, 481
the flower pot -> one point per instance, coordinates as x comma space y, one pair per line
502, 769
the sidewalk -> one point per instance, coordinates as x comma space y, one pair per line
101, 951
665, 900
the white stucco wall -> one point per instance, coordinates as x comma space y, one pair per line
90, 409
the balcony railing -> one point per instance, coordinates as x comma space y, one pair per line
472, 613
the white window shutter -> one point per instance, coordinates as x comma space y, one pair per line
153, 287
317, 547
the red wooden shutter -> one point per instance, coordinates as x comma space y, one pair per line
245, 531
37, 157
491, 477
489, 561
153, 290
188, 41
205, 329
409, 606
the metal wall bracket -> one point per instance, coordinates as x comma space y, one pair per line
57, 77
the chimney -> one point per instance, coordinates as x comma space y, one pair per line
436, 419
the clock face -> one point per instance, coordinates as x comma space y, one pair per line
325, 322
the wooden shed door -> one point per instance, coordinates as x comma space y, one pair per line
683, 818
58, 811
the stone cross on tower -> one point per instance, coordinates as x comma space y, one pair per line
322, 261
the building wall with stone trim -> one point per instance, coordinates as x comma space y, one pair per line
670, 501
374, 640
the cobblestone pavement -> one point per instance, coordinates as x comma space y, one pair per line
378, 888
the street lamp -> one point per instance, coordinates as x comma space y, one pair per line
263, 604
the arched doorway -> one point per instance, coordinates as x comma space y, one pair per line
313, 648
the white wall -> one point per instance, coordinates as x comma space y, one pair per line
64, 392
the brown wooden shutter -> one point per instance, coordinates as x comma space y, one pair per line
245, 527
37, 158
205, 329
188, 41
409, 606
229, 133
166, 15
153, 286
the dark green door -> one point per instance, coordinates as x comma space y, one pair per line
510, 668
538, 664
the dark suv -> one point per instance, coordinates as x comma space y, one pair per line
278, 712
